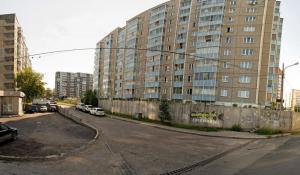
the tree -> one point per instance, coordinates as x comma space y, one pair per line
31, 83
164, 114
90, 98
48, 93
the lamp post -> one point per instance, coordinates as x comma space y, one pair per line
282, 81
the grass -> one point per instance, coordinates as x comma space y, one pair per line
268, 131
69, 101
237, 128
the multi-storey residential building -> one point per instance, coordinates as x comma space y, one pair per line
72, 85
295, 100
14, 55
218, 51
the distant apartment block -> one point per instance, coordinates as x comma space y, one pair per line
217, 51
295, 101
14, 55
72, 85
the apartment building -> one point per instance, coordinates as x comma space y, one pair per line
14, 55
214, 51
295, 100
72, 85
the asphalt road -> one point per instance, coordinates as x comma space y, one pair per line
128, 148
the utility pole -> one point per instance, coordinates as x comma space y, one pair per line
282, 86
282, 82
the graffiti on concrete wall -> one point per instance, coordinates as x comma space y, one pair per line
211, 119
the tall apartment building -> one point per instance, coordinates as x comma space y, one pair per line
14, 55
218, 51
295, 101
72, 85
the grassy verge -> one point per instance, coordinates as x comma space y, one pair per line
268, 131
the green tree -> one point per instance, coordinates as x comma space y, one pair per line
164, 113
48, 93
31, 83
90, 98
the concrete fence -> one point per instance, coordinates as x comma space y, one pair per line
209, 115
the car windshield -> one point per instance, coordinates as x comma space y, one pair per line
3, 127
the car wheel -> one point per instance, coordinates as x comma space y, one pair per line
14, 136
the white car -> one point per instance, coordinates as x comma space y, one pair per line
79, 106
97, 111
87, 108
43, 109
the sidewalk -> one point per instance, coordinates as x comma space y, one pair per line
221, 134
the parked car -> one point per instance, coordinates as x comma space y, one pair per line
87, 108
80, 106
43, 109
7, 133
53, 108
32, 109
97, 111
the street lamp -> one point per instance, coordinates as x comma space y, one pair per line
282, 81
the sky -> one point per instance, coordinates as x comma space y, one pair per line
51, 25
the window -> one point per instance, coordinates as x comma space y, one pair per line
245, 79
252, 2
227, 52
226, 65
225, 79
229, 29
189, 79
249, 29
190, 91
251, 10
247, 52
233, 2
243, 94
231, 10
224, 93
250, 18
228, 40
246, 65
248, 40
230, 19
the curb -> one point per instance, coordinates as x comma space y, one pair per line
195, 133
61, 155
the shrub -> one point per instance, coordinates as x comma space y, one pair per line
164, 114
237, 128
268, 131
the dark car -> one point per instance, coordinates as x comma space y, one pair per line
53, 108
7, 133
32, 109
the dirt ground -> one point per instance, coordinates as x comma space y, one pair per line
45, 134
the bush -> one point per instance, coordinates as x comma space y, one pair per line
268, 131
164, 114
237, 128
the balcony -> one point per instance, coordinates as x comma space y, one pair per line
152, 84
129, 86
179, 61
180, 31
152, 95
204, 97
211, 13
208, 44
181, 50
152, 74
206, 69
209, 33
204, 83
208, 23
128, 96
179, 72
177, 96
153, 53
153, 63
181, 40
211, 5
178, 84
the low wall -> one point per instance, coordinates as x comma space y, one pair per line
209, 115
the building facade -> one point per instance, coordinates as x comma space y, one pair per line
295, 100
72, 85
14, 56
224, 52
